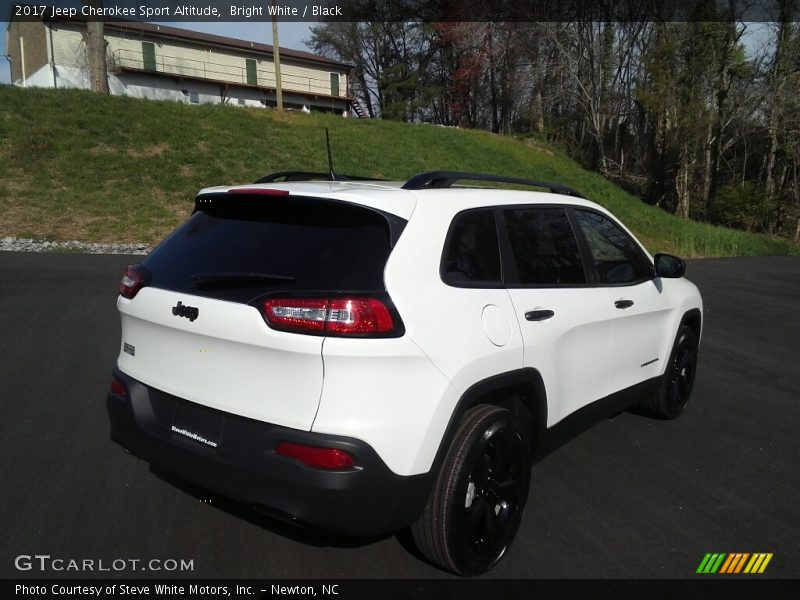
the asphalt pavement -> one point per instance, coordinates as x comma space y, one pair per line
630, 498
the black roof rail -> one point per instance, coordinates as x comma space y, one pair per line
446, 179
285, 176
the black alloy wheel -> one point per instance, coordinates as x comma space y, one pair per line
479, 498
673, 395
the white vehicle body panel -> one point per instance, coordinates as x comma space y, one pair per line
685, 298
446, 323
637, 352
227, 359
572, 349
387, 393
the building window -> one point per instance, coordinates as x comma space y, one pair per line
334, 84
149, 56
194, 98
252, 74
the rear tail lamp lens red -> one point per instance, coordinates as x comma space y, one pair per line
259, 191
315, 457
134, 279
330, 316
301, 314
358, 315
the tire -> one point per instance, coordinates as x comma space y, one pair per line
673, 394
477, 502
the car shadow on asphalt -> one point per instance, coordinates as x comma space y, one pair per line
278, 524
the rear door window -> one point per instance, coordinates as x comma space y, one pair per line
239, 248
544, 246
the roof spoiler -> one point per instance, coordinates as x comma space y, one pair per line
287, 176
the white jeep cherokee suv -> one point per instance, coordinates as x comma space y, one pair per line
363, 356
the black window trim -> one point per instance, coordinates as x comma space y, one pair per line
509, 276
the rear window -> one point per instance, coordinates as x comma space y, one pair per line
238, 248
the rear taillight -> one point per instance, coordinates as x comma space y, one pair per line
134, 279
315, 457
358, 315
297, 314
330, 316
117, 388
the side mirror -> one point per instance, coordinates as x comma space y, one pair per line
669, 266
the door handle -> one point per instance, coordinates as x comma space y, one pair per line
538, 315
623, 303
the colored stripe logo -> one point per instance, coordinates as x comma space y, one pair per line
734, 563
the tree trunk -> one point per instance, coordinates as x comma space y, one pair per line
603, 109
723, 83
744, 160
602, 159
493, 85
657, 148
796, 202
538, 110
707, 168
776, 92
362, 83
780, 209
769, 184
683, 180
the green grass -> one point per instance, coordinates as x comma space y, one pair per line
74, 165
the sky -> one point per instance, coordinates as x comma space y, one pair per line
290, 35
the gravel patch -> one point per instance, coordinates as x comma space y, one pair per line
13, 244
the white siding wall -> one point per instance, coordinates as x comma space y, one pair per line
69, 55
221, 65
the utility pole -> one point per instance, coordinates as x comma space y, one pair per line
96, 50
276, 53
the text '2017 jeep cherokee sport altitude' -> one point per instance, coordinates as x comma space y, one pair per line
363, 356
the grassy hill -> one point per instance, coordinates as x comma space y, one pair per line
74, 165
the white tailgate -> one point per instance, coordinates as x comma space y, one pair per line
227, 358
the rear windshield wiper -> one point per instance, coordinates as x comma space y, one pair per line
234, 280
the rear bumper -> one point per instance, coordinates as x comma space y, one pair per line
366, 500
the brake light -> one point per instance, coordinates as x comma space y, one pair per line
315, 457
259, 191
331, 316
134, 279
117, 388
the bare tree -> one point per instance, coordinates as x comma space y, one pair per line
681, 113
